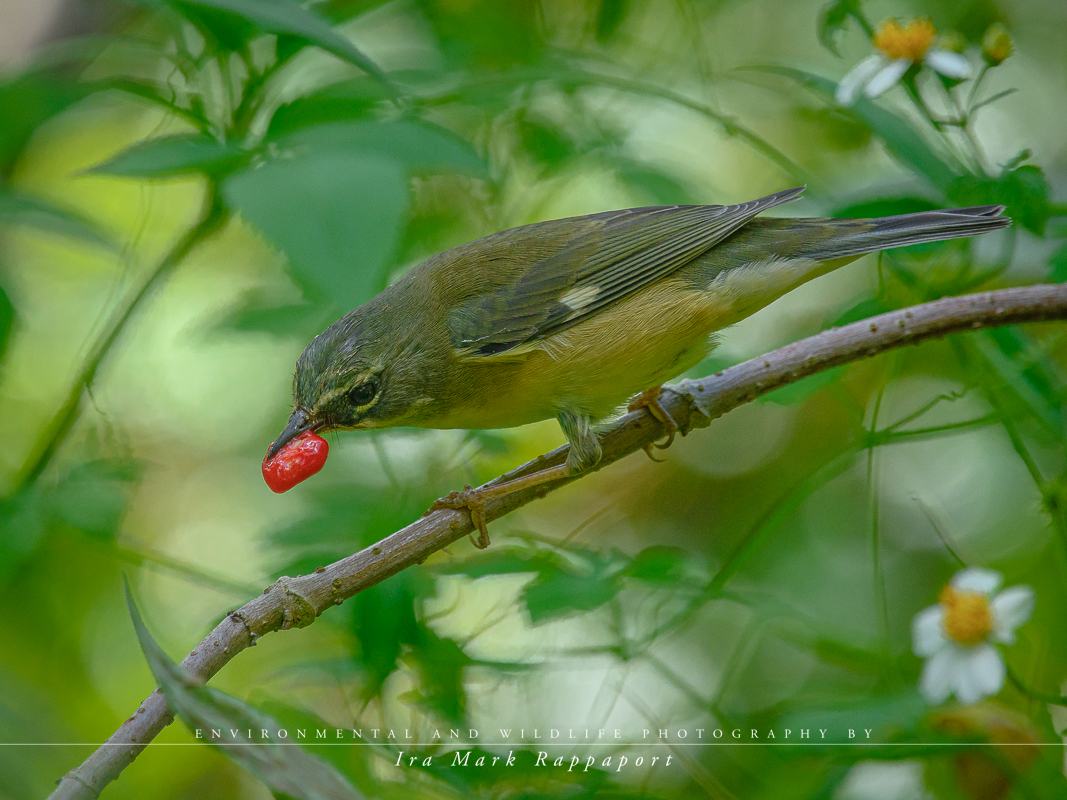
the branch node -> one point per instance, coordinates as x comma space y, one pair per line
297, 610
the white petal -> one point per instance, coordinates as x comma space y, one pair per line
977, 579
1011, 608
857, 77
927, 631
939, 675
980, 674
890, 74
949, 64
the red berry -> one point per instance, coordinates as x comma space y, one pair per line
296, 462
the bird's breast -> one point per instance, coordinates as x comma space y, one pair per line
590, 368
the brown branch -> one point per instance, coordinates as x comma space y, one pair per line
296, 602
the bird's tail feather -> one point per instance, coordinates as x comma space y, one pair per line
905, 229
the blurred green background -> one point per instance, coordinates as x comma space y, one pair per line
765, 576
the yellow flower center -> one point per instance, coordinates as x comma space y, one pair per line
968, 619
910, 41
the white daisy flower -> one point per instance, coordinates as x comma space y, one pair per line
957, 635
900, 47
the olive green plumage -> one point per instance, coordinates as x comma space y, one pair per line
569, 318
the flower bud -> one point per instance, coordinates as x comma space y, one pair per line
996, 44
953, 41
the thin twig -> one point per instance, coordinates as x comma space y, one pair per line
296, 602
211, 219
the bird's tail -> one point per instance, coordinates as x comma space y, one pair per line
853, 238
770, 256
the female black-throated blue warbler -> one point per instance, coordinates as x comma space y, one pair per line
569, 318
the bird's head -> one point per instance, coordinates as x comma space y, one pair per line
356, 374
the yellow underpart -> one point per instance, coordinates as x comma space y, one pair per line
640, 342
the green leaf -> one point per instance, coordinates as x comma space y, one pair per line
384, 622
223, 30
581, 584
1033, 377
22, 529
347, 100
544, 142
1017, 159
180, 155
833, 18
1058, 264
659, 564
92, 497
900, 139
836, 129
486, 35
440, 663
415, 144
336, 215
608, 18
505, 561
19, 209
282, 765
254, 314
285, 17
26, 102
1024, 190
553, 596
149, 91
335, 199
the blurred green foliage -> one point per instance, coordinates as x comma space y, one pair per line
765, 577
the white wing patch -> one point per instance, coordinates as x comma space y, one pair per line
577, 299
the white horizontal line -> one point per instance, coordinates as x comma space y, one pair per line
223, 743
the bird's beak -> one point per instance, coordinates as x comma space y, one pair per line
298, 424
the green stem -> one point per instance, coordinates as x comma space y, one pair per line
56, 431
951, 397
874, 494
939, 127
1052, 699
969, 105
924, 433
773, 517
965, 127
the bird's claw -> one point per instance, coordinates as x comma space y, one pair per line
649, 400
472, 500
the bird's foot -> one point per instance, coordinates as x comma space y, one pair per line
650, 399
474, 501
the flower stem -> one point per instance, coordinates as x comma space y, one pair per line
964, 124
1051, 699
939, 127
973, 95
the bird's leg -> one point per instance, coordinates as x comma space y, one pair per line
649, 399
584, 453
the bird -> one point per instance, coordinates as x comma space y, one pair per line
569, 318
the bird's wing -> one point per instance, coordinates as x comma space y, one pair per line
629, 251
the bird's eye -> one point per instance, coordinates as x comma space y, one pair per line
363, 393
